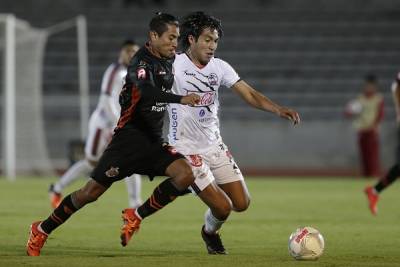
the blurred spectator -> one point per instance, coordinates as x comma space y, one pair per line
367, 111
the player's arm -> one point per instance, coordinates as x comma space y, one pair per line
260, 101
112, 109
396, 96
106, 98
148, 90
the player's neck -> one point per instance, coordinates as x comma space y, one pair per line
194, 59
152, 51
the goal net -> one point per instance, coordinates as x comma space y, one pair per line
24, 147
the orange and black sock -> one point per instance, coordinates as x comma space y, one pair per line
163, 194
59, 215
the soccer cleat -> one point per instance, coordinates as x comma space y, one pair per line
55, 197
36, 240
373, 198
213, 242
131, 225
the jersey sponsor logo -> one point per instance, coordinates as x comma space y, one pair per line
112, 172
212, 79
174, 123
206, 98
187, 73
141, 74
195, 160
159, 107
202, 113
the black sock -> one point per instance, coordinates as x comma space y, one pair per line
163, 194
59, 215
390, 177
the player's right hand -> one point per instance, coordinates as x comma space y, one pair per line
190, 99
289, 114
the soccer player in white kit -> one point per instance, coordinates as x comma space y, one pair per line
101, 126
194, 130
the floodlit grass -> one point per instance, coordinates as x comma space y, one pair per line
257, 237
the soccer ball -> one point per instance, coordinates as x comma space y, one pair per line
306, 243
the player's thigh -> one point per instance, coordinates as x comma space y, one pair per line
203, 176
229, 177
126, 154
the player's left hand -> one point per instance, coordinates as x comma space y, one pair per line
289, 114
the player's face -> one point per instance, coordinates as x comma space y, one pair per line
127, 52
166, 43
370, 89
204, 48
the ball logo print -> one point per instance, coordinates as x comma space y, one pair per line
306, 243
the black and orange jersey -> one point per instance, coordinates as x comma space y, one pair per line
146, 93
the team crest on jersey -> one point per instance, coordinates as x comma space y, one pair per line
195, 160
141, 74
112, 172
212, 79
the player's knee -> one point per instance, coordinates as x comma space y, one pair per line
90, 192
223, 210
241, 206
88, 195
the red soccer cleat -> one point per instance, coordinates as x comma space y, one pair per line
373, 198
55, 197
36, 240
131, 225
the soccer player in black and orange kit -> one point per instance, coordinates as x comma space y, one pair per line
137, 145
373, 192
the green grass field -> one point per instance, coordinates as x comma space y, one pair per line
257, 237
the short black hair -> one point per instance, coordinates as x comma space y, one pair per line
194, 24
159, 23
371, 78
128, 42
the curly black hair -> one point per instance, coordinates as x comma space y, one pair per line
194, 24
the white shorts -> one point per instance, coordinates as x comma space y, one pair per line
97, 140
216, 165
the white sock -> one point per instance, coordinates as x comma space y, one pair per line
134, 186
78, 170
41, 230
212, 224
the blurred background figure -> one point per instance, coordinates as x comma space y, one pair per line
101, 128
373, 192
367, 111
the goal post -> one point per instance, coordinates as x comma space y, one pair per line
22, 49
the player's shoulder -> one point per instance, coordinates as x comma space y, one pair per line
180, 58
220, 63
141, 59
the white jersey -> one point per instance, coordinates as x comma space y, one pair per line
108, 110
194, 130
